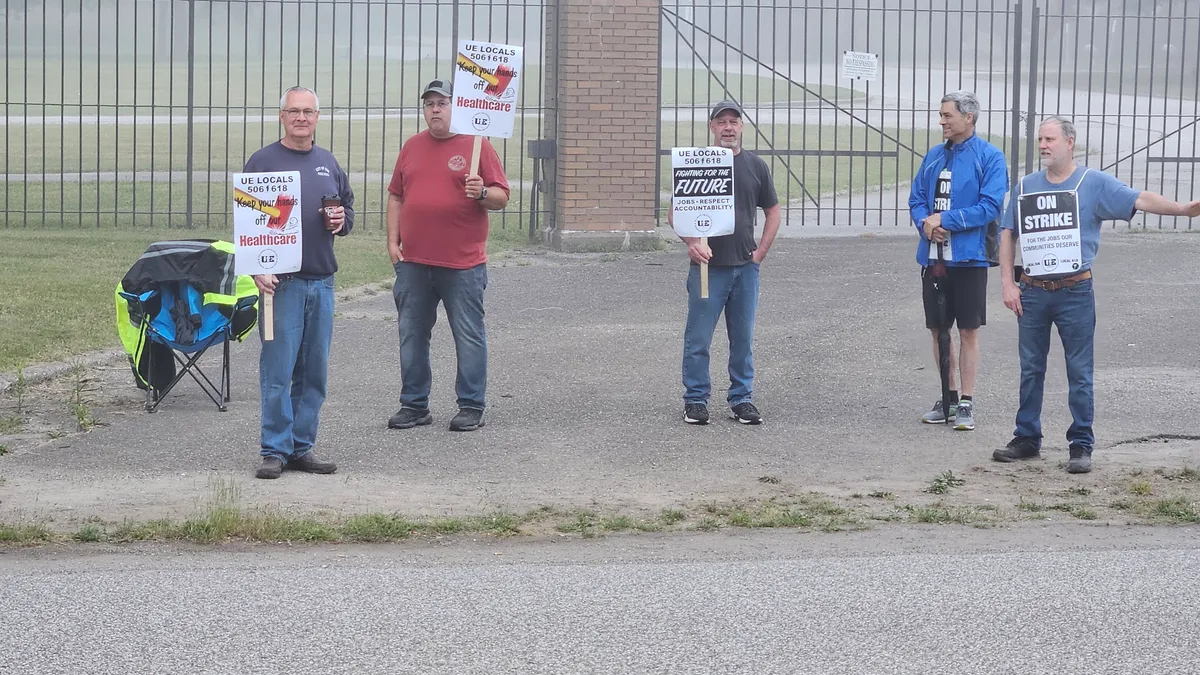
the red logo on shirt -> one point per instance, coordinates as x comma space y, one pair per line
457, 163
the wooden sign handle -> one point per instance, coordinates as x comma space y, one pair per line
475, 150
704, 273
268, 316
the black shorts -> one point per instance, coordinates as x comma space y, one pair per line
966, 297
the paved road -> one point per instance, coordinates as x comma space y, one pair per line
770, 602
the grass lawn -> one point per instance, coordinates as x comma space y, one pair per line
53, 86
360, 145
163, 204
1159, 82
146, 204
59, 284
823, 175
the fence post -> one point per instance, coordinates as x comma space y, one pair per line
191, 104
454, 36
1030, 122
550, 77
1018, 27
658, 123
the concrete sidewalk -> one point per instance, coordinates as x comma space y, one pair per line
585, 394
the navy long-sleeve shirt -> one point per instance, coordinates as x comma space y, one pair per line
320, 174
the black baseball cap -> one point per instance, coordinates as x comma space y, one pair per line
723, 106
442, 87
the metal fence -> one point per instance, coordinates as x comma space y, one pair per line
844, 150
135, 112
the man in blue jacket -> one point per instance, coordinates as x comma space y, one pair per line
957, 196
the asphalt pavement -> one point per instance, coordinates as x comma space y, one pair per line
758, 603
585, 395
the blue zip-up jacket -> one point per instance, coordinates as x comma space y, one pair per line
978, 184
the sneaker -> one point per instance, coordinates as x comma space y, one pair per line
467, 419
1080, 461
695, 413
964, 418
309, 463
746, 413
934, 416
407, 418
272, 467
1018, 449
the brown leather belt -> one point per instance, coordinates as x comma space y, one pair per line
1057, 284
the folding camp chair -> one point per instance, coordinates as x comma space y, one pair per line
179, 300
178, 319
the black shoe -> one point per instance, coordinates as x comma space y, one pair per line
1018, 449
1080, 461
467, 419
309, 463
272, 467
407, 418
746, 413
695, 413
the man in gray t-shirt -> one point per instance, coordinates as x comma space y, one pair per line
733, 262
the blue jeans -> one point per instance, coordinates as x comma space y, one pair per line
733, 290
417, 292
293, 368
1073, 310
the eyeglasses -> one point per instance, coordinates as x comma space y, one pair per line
439, 103
296, 112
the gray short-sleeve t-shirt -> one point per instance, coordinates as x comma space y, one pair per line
753, 188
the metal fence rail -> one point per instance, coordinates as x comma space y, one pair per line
1129, 73
135, 112
843, 150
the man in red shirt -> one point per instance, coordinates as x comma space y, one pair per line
437, 222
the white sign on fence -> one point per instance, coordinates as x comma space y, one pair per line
702, 183
485, 89
266, 223
860, 65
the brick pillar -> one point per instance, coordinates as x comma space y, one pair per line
602, 80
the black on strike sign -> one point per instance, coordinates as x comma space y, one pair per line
1048, 229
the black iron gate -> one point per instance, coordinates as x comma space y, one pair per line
134, 112
843, 150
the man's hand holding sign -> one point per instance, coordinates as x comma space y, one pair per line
702, 201
485, 98
267, 233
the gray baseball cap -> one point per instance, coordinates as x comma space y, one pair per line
442, 87
723, 106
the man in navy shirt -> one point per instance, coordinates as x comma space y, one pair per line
1054, 216
293, 366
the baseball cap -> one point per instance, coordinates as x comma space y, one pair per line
442, 87
723, 106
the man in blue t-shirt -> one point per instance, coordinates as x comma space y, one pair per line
1054, 216
293, 367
